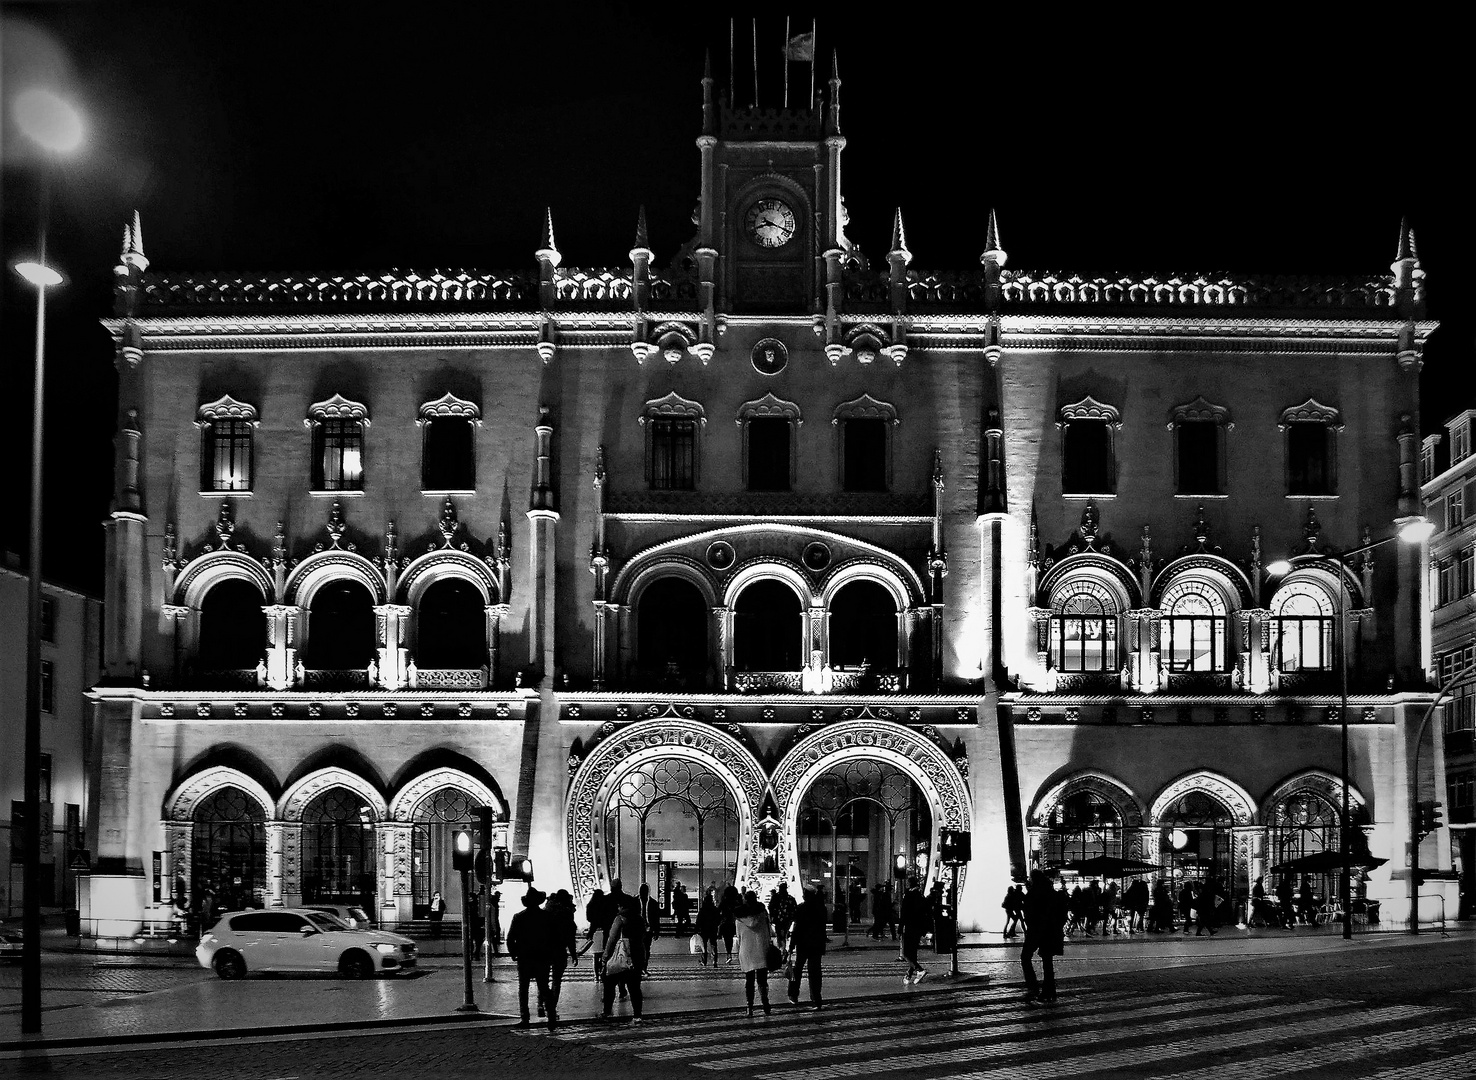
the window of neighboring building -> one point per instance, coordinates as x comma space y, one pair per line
1084, 633
1466, 572
1427, 458
1445, 592
227, 431
1455, 509
1195, 628
1088, 462
673, 448
1460, 442
673, 454
1199, 447
48, 619
338, 444
48, 688
768, 425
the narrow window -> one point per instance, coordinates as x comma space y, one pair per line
768, 454
448, 455
1455, 509
45, 785
338, 455
1088, 465
1460, 442
1427, 461
226, 455
865, 455
48, 619
1466, 571
1199, 457
1307, 459
48, 689
673, 455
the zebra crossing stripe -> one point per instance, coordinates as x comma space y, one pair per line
1360, 1052
1065, 1039
1046, 1065
821, 1042
1460, 1065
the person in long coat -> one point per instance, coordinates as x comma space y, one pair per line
529, 943
754, 942
629, 927
917, 920
807, 944
563, 946
707, 925
726, 906
1045, 925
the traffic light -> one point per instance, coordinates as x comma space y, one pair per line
1428, 818
1435, 816
955, 846
484, 828
499, 864
520, 866
461, 851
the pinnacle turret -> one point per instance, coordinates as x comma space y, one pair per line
1407, 248
133, 249
549, 248
643, 242
992, 251
899, 238
832, 121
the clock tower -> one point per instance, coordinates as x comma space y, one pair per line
771, 225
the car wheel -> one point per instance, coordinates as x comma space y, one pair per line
356, 965
229, 965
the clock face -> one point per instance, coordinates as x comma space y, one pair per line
770, 223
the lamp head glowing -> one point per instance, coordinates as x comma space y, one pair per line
463, 842
48, 120
1416, 530
1279, 568
38, 274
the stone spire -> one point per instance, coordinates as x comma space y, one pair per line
1409, 275
993, 253
832, 115
133, 246
548, 250
548, 262
899, 239
642, 241
709, 114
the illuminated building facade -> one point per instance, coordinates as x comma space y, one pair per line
765, 564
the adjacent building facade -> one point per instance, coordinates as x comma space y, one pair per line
1449, 490
765, 565
71, 653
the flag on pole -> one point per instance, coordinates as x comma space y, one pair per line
801, 47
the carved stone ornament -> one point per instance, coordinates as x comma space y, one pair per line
336, 526
768, 406
226, 408
449, 524
1089, 408
449, 406
1200, 410
673, 406
337, 407
1311, 411
1110, 791
598, 777
225, 525
865, 407
769, 356
1231, 795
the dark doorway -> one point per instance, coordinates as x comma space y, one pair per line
232, 627
863, 627
341, 631
451, 626
768, 634
671, 646
865, 455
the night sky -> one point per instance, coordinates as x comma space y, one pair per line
334, 137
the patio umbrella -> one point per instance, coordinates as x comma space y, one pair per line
1110, 866
1327, 862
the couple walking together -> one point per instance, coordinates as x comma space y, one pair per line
758, 954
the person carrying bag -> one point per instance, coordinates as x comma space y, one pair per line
624, 957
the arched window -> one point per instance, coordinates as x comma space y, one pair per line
1084, 630
228, 856
232, 627
436, 818
1302, 628
338, 444
338, 850
1305, 824
1199, 447
682, 813
769, 425
448, 460
1083, 826
1195, 635
673, 456
1311, 448
1088, 465
865, 429
451, 626
671, 639
768, 630
863, 627
1197, 838
341, 630
226, 431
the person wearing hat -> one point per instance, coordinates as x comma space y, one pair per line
529, 943
563, 950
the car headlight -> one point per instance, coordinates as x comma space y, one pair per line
384, 947
208, 939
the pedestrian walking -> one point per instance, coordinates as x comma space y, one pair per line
1091, 906
564, 949
528, 942
916, 921
1136, 900
726, 927
623, 957
1205, 905
807, 946
1186, 904
1285, 899
437, 914
889, 911
1045, 920
755, 939
1013, 909
781, 915
494, 913
707, 925
681, 907
651, 916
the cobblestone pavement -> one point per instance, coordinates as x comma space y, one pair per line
1393, 1009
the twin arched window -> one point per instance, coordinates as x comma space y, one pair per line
1302, 628
1084, 630
1195, 627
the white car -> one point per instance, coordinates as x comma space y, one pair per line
299, 939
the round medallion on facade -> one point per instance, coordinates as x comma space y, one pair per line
770, 356
720, 555
816, 556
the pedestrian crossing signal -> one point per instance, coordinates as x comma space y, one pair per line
955, 846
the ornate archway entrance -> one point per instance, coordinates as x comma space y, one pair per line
683, 750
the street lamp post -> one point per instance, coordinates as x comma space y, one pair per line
56, 128
1413, 530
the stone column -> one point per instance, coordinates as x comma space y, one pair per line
179, 839
281, 653
624, 643
722, 641
1257, 666
393, 656
599, 644
1038, 629
1144, 843
276, 841
495, 614
395, 897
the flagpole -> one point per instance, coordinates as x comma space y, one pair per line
732, 65
755, 63
786, 61
814, 45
